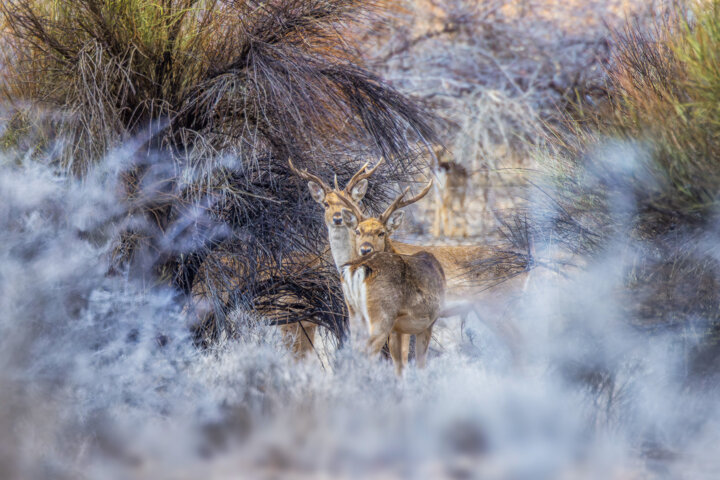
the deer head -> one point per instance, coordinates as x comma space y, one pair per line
372, 234
334, 200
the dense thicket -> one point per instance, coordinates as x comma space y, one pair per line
208, 99
637, 178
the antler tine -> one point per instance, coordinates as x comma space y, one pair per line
362, 174
304, 174
355, 178
393, 206
399, 203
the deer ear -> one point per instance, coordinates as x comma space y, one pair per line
351, 221
317, 192
395, 220
358, 191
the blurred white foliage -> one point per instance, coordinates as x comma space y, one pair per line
100, 379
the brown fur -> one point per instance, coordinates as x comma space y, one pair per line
402, 296
467, 284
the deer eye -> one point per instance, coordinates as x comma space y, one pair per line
357, 232
326, 204
381, 234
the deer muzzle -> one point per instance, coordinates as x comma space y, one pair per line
365, 248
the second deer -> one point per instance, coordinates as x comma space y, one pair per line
450, 195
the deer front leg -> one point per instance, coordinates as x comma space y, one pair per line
396, 344
422, 342
376, 342
381, 323
355, 324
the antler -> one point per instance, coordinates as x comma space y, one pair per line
361, 176
351, 206
308, 176
399, 203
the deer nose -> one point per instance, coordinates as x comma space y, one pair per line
337, 218
365, 249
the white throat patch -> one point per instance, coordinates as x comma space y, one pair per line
355, 291
341, 245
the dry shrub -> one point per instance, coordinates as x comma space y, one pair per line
498, 71
210, 98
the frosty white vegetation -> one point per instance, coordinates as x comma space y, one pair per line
100, 377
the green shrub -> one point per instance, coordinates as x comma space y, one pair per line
665, 86
639, 178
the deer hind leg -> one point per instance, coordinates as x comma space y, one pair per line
507, 331
446, 210
406, 349
436, 222
397, 343
305, 341
422, 342
461, 214
290, 335
298, 337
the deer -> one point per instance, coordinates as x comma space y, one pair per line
450, 195
333, 201
394, 295
462, 280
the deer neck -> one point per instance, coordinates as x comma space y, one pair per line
342, 245
389, 247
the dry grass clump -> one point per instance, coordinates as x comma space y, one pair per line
640, 180
209, 98
499, 70
222, 74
